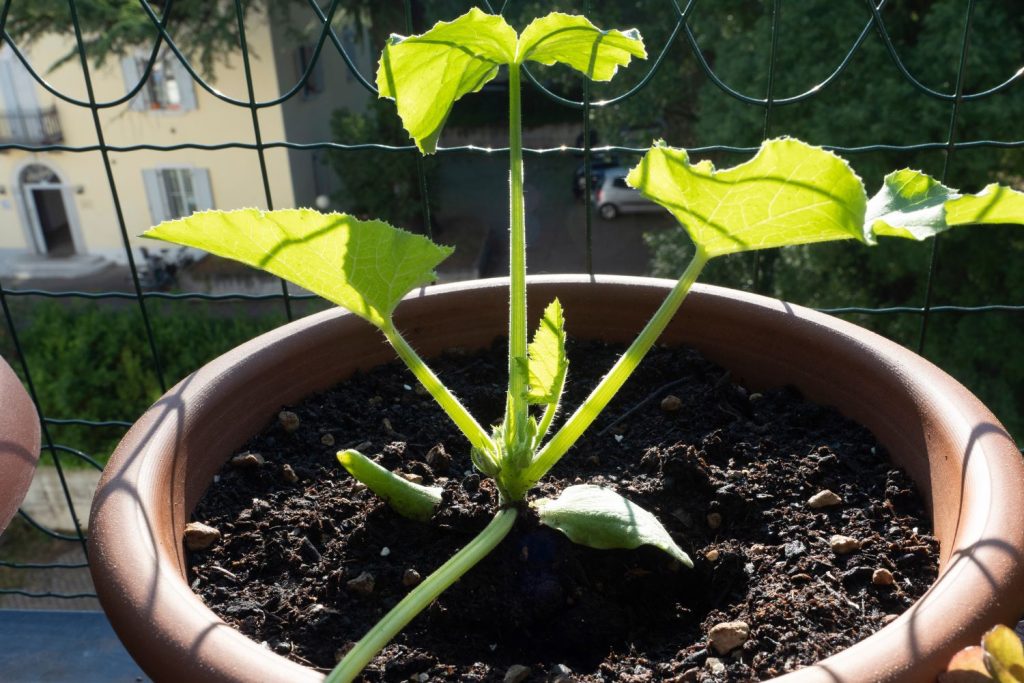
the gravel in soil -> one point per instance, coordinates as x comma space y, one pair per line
308, 559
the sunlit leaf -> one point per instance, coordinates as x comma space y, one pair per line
426, 74
547, 361
364, 266
574, 41
408, 499
1004, 654
966, 666
914, 205
600, 518
789, 193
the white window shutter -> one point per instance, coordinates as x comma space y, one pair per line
186, 86
201, 186
155, 194
132, 75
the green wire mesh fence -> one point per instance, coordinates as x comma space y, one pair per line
681, 44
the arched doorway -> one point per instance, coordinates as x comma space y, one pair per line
44, 197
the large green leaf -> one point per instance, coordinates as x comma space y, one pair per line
547, 360
574, 41
789, 193
914, 205
364, 266
600, 518
426, 74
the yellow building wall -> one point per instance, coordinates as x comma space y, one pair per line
235, 176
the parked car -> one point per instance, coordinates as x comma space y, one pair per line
598, 166
613, 196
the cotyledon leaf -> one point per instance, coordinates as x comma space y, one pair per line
572, 40
427, 73
364, 266
789, 193
547, 360
408, 499
914, 205
598, 517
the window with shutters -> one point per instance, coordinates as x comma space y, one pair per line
177, 192
168, 85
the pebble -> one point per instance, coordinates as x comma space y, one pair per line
756, 396
385, 551
362, 584
248, 460
289, 420
517, 673
715, 666
794, 549
882, 577
288, 474
199, 536
714, 520
438, 458
843, 545
712, 555
411, 578
800, 578
823, 499
671, 403
728, 636
327, 439
414, 478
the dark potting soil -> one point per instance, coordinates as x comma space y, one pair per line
309, 560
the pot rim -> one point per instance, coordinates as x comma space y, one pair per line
981, 576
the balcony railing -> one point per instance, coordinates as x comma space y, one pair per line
32, 127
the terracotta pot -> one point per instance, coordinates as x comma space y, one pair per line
19, 443
962, 459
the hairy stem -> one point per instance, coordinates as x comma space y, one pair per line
466, 423
517, 252
606, 389
421, 596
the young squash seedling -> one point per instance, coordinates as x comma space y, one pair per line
790, 193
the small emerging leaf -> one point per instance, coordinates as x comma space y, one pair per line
574, 41
547, 361
600, 518
789, 193
410, 500
364, 266
1004, 654
426, 74
914, 205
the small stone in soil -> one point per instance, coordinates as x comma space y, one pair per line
362, 584
715, 666
728, 636
411, 577
438, 458
714, 520
823, 499
385, 551
248, 460
671, 403
289, 420
712, 555
517, 673
882, 577
288, 474
843, 545
414, 478
327, 439
794, 548
199, 536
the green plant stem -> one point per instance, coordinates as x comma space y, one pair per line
517, 252
466, 423
574, 427
421, 596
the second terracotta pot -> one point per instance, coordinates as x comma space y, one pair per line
967, 467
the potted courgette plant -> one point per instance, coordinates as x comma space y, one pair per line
789, 193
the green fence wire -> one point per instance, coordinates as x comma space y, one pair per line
682, 43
